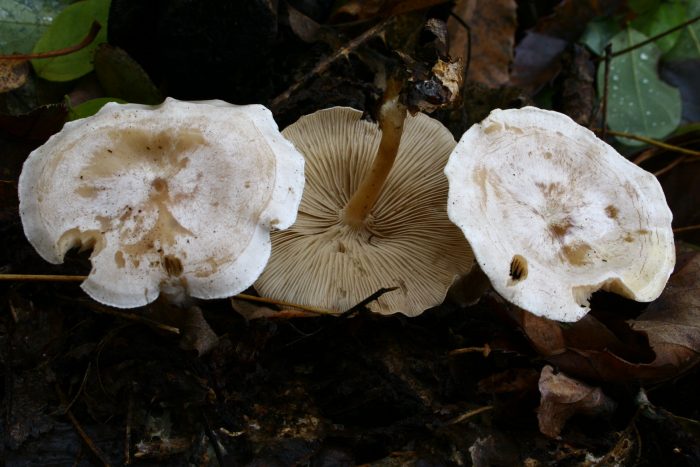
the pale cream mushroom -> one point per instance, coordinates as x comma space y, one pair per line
396, 234
554, 213
178, 198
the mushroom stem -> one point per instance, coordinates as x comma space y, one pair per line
391, 117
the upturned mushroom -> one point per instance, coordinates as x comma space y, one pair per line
178, 198
554, 214
365, 222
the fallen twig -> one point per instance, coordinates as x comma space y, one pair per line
76, 425
650, 141
324, 64
87, 40
469, 414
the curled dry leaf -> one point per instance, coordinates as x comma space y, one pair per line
13, 74
615, 352
564, 397
672, 323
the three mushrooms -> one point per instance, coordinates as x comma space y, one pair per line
188, 199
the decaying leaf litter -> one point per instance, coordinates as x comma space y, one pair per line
456, 385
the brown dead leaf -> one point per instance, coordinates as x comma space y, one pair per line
492, 24
661, 343
672, 323
304, 27
13, 74
564, 397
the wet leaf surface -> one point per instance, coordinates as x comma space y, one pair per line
68, 29
122, 77
639, 101
22, 22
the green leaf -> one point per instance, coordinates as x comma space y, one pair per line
660, 19
638, 101
22, 22
598, 34
121, 76
90, 108
688, 44
640, 6
68, 29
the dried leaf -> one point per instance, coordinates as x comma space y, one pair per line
611, 351
492, 25
673, 321
564, 397
304, 27
13, 74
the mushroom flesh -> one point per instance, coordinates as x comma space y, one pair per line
177, 198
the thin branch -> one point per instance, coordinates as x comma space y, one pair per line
41, 278
689, 228
654, 38
269, 301
469, 42
469, 414
127, 429
87, 40
653, 142
679, 160
132, 317
485, 350
604, 110
324, 64
83, 435
137, 318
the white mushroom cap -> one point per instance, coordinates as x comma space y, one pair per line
179, 196
408, 241
554, 214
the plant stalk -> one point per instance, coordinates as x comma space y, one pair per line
391, 118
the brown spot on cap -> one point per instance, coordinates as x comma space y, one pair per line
159, 185
119, 259
611, 211
576, 253
561, 228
